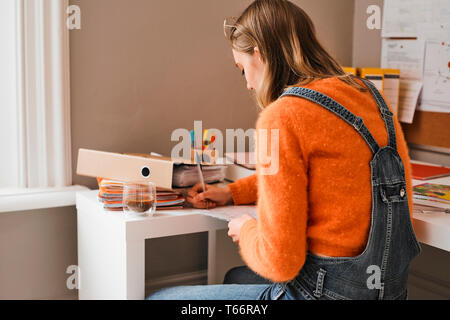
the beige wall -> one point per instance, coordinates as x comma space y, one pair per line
366, 42
36, 247
142, 68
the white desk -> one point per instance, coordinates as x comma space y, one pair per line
433, 228
111, 247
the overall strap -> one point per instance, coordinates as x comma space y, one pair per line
337, 109
386, 114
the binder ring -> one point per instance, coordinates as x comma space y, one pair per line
145, 171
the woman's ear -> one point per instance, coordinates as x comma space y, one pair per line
258, 54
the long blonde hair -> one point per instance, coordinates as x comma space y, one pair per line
290, 50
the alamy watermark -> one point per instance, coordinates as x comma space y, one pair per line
374, 20
374, 280
74, 17
73, 281
266, 149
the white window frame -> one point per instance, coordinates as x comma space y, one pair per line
37, 153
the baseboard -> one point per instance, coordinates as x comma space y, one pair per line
70, 296
181, 279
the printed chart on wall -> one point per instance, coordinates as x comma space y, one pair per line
436, 90
416, 40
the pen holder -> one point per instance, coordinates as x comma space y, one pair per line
208, 156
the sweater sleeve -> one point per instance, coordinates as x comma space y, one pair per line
274, 246
244, 191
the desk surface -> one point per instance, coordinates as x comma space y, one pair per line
431, 228
90, 197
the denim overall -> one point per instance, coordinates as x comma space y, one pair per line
381, 271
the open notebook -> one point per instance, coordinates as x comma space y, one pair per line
230, 212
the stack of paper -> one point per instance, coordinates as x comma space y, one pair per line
111, 196
166, 200
185, 175
432, 195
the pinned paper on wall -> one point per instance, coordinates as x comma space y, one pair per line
434, 31
400, 18
403, 18
436, 90
408, 99
417, 41
408, 57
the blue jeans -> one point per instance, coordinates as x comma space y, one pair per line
240, 283
243, 275
211, 292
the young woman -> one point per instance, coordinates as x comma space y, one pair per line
334, 222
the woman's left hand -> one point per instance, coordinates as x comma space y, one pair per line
235, 225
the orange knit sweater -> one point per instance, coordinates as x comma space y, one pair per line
320, 200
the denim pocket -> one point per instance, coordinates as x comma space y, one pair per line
393, 192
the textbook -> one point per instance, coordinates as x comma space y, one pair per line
374, 75
427, 172
392, 88
434, 195
350, 70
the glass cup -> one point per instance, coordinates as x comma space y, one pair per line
139, 199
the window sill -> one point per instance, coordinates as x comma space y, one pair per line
12, 200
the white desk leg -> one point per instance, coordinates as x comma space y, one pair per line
110, 266
212, 236
135, 257
101, 250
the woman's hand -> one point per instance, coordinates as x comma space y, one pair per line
212, 197
235, 226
